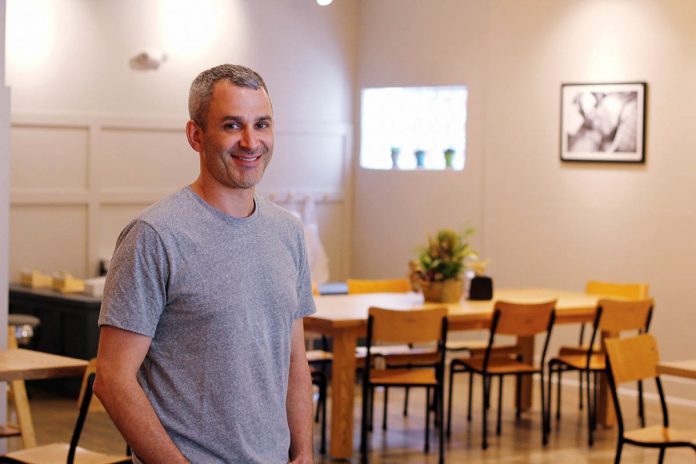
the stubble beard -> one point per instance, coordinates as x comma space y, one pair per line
238, 177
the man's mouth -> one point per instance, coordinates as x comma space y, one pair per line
247, 158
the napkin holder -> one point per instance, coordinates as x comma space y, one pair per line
481, 288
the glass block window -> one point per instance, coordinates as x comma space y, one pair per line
412, 127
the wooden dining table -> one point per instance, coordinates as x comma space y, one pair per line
18, 365
685, 368
344, 318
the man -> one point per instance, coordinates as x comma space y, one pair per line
201, 352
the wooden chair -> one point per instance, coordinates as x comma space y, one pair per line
611, 317
513, 319
400, 355
60, 453
318, 359
356, 286
632, 291
405, 327
632, 359
18, 395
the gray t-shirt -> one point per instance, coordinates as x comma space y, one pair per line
218, 295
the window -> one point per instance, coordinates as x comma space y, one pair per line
410, 119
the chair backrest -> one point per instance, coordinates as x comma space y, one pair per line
95, 404
632, 291
632, 358
86, 398
522, 319
620, 315
406, 326
378, 286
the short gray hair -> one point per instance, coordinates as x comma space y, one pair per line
201, 91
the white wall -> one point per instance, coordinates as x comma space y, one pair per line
4, 197
419, 43
94, 142
540, 221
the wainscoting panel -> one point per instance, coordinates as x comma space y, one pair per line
78, 179
48, 237
49, 158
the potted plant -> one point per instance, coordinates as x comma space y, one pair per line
395, 151
420, 158
439, 269
449, 158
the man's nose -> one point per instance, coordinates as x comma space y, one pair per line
249, 139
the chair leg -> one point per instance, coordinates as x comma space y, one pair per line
471, 394
384, 408
427, 419
449, 402
558, 393
580, 390
484, 413
518, 393
619, 448
440, 393
323, 393
662, 455
365, 420
500, 404
641, 404
406, 395
544, 412
590, 409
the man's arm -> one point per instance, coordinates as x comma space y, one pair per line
299, 401
120, 355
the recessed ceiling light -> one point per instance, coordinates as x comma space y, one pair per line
324, 2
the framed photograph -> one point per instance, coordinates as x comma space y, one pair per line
603, 122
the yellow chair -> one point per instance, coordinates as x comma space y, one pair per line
612, 317
400, 355
356, 286
406, 327
59, 453
632, 359
511, 319
631, 291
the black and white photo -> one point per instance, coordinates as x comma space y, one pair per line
603, 122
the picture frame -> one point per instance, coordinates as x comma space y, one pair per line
603, 122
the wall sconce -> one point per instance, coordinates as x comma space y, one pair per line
148, 60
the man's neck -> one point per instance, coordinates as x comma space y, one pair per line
233, 202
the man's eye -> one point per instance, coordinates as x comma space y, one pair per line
232, 126
263, 125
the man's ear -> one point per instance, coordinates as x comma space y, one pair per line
194, 134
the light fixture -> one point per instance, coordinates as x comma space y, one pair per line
324, 2
148, 60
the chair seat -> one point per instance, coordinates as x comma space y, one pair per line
398, 355
318, 356
395, 377
580, 349
57, 453
579, 361
466, 345
499, 365
9, 431
657, 434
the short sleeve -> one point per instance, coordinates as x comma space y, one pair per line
135, 293
305, 298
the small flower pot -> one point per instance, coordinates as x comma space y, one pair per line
447, 291
420, 158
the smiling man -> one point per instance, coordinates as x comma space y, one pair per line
201, 352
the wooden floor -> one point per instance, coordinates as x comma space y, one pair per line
520, 441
